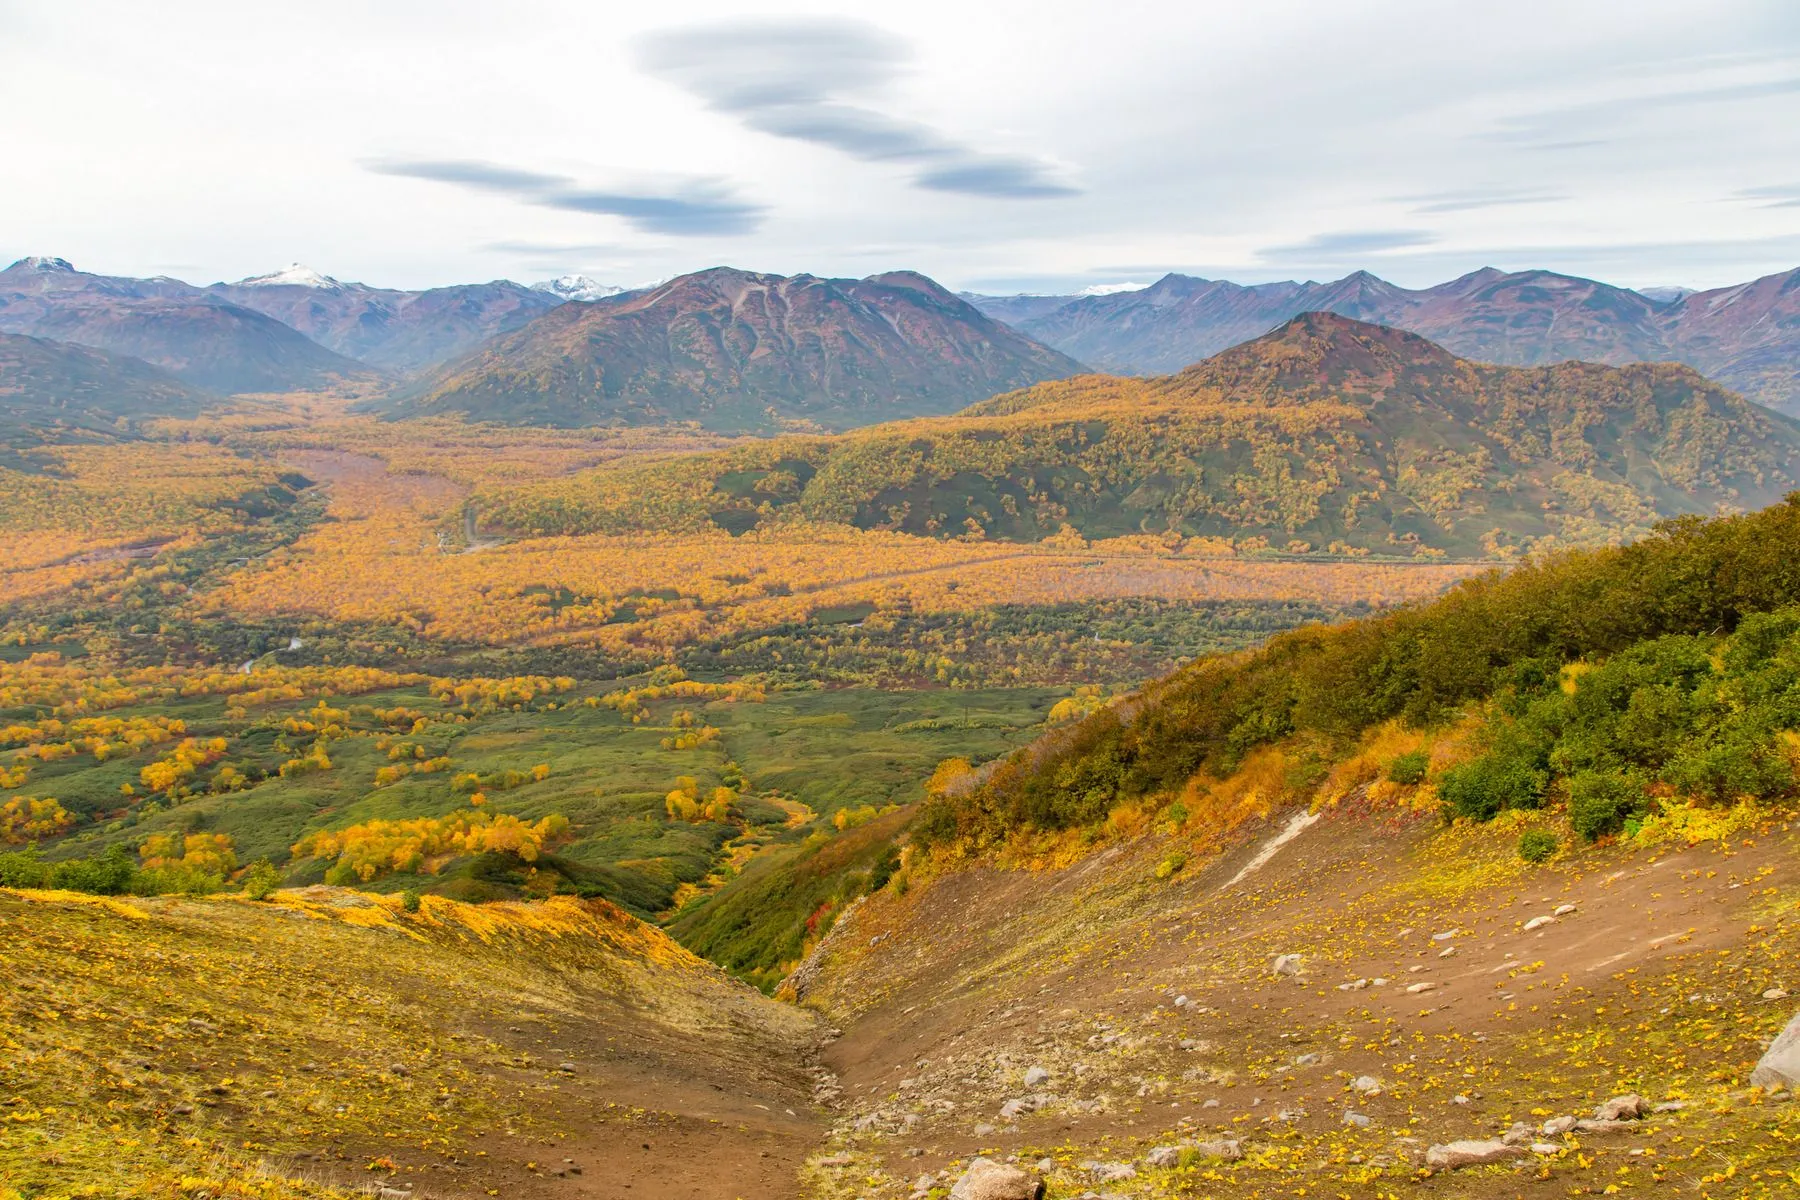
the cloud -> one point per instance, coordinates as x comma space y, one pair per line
1547, 130
1479, 198
1351, 244
1777, 196
798, 78
694, 207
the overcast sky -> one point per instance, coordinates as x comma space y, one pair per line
1032, 146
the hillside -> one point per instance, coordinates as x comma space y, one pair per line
323, 1043
1328, 434
400, 331
735, 350
49, 386
1745, 337
200, 339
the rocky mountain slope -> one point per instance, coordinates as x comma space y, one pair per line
47, 386
1328, 434
1746, 337
399, 331
738, 350
201, 339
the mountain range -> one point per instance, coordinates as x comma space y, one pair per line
47, 385
1328, 434
1746, 337
738, 350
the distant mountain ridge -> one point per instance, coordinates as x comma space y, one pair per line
1328, 434
739, 350
47, 386
1746, 337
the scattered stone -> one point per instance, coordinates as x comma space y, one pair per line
567, 1068
1429, 985
1545, 1148
1451, 1155
1445, 936
1037, 1077
1459, 1098
1538, 923
1557, 1126
1360, 1120
203, 1026
1775, 993
1306, 1060
1629, 1107
1781, 1064
1211, 1103
1164, 1156
1287, 964
836, 1160
1355, 985
1599, 1126
1668, 1106
1518, 1135
1368, 1085
989, 1180
1225, 1149
1112, 1172
1014, 1108
1563, 910
1378, 981
986, 1130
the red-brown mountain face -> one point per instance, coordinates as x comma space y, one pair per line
200, 339
738, 350
1746, 337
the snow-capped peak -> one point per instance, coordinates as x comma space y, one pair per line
293, 275
1111, 289
42, 264
577, 287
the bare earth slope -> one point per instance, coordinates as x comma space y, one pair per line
1423, 1011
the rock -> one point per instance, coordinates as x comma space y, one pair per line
1287, 964
1355, 985
1113, 1172
1226, 1149
1306, 1060
1447, 952
836, 1160
1775, 993
1545, 1148
1557, 1126
985, 1130
1014, 1108
1163, 1156
1378, 981
1598, 1126
1629, 1107
989, 1180
1451, 1155
1518, 1135
567, 1068
1429, 985
1538, 923
1459, 1098
1037, 1077
1668, 1106
1368, 1085
1445, 936
1563, 910
1360, 1120
1781, 1064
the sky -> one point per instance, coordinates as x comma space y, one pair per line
1047, 146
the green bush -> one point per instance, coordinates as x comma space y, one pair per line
1409, 768
175, 880
409, 900
1599, 801
112, 874
1537, 845
261, 880
24, 869
1485, 786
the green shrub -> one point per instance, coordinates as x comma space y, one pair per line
24, 869
261, 880
1537, 845
1409, 768
1599, 801
112, 874
175, 880
1484, 786
409, 900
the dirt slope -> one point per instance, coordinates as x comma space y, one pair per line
1153, 1007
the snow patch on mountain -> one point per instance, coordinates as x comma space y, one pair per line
1110, 289
43, 264
577, 287
293, 275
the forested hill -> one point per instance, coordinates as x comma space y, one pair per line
1326, 435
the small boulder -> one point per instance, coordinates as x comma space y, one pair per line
1112, 1172
1286, 964
1013, 1109
1368, 1085
1163, 1156
1781, 1064
1557, 1126
1037, 1077
1360, 1120
1563, 910
1429, 985
1629, 1107
989, 1180
1225, 1149
1451, 1155
1538, 923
